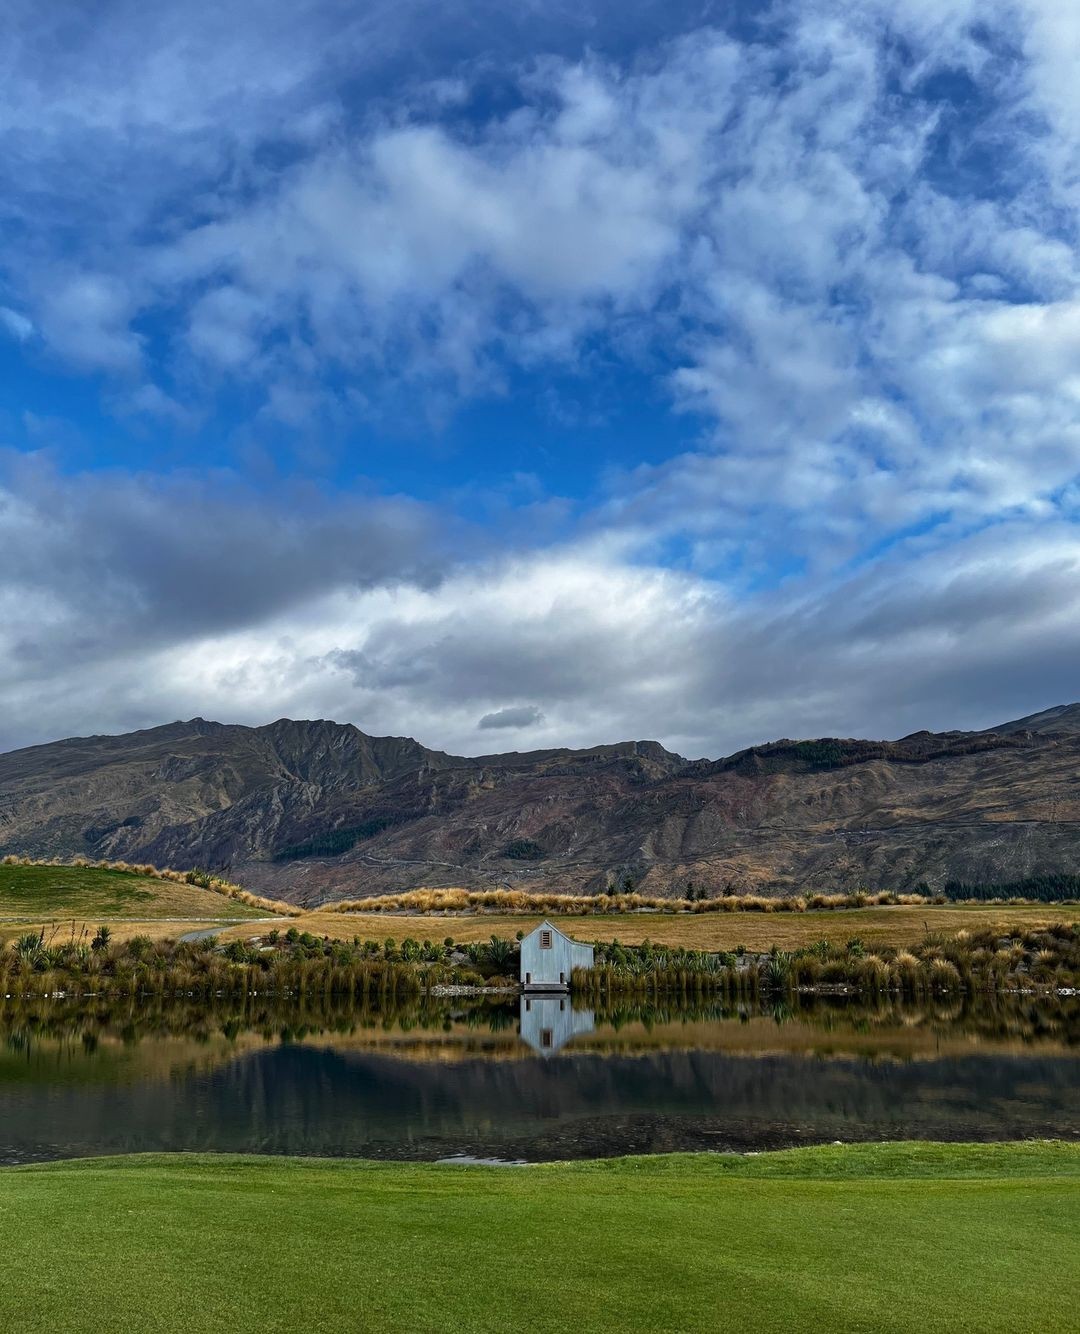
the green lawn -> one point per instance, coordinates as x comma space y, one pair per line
56, 893
876, 1238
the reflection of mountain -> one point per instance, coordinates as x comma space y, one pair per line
302, 1099
548, 1023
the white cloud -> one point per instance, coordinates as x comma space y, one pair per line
606, 651
18, 326
86, 318
429, 251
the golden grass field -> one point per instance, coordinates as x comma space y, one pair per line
705, 931
758, 932
58, 930
66, 900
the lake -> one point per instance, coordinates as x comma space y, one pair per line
520, 1080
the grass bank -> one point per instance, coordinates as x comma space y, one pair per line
871, 1238
54, 891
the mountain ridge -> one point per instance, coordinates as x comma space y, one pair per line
313, 809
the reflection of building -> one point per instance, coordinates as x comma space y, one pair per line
549, 957
549, 1022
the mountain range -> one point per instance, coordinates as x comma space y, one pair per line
315, 811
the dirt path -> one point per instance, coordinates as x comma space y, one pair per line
207, 932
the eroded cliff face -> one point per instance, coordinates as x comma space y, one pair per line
319, 810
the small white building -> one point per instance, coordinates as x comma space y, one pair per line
548, 957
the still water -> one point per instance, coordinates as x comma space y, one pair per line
531, 1081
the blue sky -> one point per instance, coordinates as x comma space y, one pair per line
547, 374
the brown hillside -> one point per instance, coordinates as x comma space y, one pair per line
317, 810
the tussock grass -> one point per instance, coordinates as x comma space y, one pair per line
530, 901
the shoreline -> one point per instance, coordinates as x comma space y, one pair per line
887, 1154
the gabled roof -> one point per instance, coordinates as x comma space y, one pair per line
547, 925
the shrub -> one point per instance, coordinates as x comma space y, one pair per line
499, 952
336, 841
1054, 888
524, 850
29, 946
777, 970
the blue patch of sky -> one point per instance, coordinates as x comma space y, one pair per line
743, 569
980, 147
564, 428
41, 409
899, 537
567, 434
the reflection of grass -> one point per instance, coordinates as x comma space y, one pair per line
711, 931
827, 1026
108, 1040
113, 1061
46, 1039
52, 893
875, 1237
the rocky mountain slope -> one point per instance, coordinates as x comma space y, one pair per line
318, 810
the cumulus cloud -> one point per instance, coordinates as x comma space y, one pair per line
104, 566
605, 652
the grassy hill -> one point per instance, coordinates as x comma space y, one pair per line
893, 1237
89, 893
